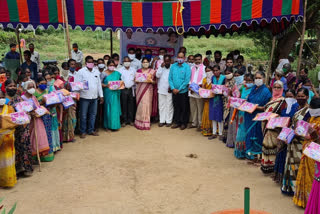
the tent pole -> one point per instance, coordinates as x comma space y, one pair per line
302, 36
111, 42
64, 6
18, 42
271, 58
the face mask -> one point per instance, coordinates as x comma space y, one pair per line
238, 80
127, 64
277, 93
75, 49
31, 49
90, 65
161, 57
65, 74
190, 64
180, 61
31, 91
13, 49
43, 87
11, 92
209, 57
131, 56
72, 69
22, 84
148, 56
258, 82
2, 101
145, 65
101, 66
217, 60
301, 102
314, 112
235, 57
229, 76
307, 87
111, 68
249, 85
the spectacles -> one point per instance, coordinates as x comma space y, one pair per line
278, 88
216, 70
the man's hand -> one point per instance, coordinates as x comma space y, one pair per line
101, 100
175, 91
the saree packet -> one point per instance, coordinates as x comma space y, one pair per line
236, 102
278, 122
23, 106
58, 83
3, 78
313, 151
236, 92
41, 111
302, 128
75, 95
142, 77
194, 87
205, 93
78, 86
248, 107
265, 116
116, 85
68, 101
53, 98
65, 92
219, 89
20, 118
286, 135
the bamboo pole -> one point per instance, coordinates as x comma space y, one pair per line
66, 22
271, 59
37, 144
111, 42
302, 36
18, 42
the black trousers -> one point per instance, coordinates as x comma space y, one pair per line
181, 108
128, 106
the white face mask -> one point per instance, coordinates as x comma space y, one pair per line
229, 76
161, 57
2, 101
131, 56
31, 91
258, 82
314, 112
235, 57
127, 64
101, 66
145, 65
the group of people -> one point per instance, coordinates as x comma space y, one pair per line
167, 98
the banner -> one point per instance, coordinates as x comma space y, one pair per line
153, 41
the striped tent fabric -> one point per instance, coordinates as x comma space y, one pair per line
145, 16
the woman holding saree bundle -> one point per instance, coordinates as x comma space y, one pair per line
313, 205
269, 144
112, 107
294, 149
206, 124
307, 165
144, 94
240, 144
259, 95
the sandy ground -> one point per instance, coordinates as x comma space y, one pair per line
133, 171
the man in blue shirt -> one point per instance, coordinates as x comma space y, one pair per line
13, 54
33, 67
179, 78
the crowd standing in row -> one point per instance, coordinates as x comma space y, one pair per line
167, 98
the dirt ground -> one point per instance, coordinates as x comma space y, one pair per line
133, 171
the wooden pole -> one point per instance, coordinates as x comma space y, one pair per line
37, 144
111, 42
302, 35
271, 59
66, 22
18, 42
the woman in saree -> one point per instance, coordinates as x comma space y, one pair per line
259, 95
206, 124
47, 119
294, 149
37, 130
8, 176
270, 141
112, 107
307, 165
240, 144
22, 143
144, 94
216, 105
313, 205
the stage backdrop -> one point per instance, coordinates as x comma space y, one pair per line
153, 41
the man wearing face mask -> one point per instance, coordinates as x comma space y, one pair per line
72, 68
89, 98
116, 59
218, 61
208, 60
76, 54
158, 60
13, 54
179, 78
127, 95
135, 63
196, 103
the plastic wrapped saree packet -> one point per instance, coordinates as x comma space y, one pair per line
278, 122
205, 93
286, 135
313, 151
53, 98
68, 101
236, 102
302, 128
248, 107
265, 116
116, 85
23, 106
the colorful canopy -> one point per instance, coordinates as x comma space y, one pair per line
155, 16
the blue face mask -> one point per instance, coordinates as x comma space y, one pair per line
148, 56
249, 85
238, 80
72, 69
43, 87
307, 87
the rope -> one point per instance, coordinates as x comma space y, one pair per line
177, 12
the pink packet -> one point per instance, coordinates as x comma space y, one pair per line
264, 116
41, 111
313, 151
142, 77
68, 101
75, 95
218, 89
248, 107
236, 92
76, 86
58, 83
20, 118
23, 106
302, 128
53, 98
116, 85
85, 85
278, 122
205, 93
236, 102
286, 135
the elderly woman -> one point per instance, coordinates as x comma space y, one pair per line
37, 129
269, 144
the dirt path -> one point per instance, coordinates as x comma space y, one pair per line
132, 171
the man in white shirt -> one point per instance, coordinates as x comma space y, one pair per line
198, 73
165, 97
35, 57
135, 63
127, 95
89, 98
76, 54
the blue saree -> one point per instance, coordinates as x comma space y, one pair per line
216, 103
